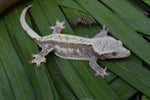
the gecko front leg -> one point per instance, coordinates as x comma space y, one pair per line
58, 27
41, 56
99, 71
102, 33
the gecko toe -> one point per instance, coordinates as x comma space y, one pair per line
107, 74
105, 69
38, 64
51, 27
31, 61
35, 55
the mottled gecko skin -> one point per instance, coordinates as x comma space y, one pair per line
65, 46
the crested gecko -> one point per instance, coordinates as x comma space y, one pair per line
73, 47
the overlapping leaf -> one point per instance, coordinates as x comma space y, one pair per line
62, 79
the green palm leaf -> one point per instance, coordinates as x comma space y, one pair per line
60, 79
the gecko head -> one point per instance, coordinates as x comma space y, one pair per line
121, 52
114, 49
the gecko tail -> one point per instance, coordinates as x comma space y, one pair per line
25, 26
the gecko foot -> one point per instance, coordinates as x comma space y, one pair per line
102, 72
58, 27
38, 59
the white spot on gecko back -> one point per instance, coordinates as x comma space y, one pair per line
64, 50
78, 51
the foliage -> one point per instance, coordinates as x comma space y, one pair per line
61, 79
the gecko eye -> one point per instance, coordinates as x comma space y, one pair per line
114, 53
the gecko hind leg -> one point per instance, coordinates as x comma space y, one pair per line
39, 58
99, 71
